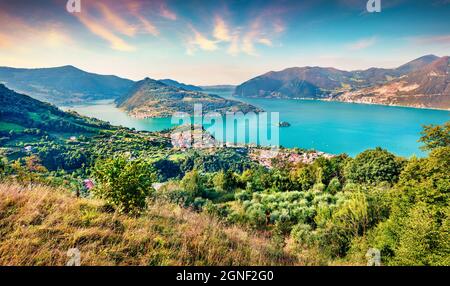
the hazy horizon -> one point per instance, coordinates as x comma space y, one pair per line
219, 42
205, 85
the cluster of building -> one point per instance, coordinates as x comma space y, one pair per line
267, 157
187, 137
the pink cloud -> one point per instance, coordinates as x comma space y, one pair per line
166, 13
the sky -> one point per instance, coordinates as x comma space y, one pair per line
208, 42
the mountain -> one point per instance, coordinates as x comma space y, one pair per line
19, 112
152, 98
427, 86
174, 83
64, 85
416, 64
319, 82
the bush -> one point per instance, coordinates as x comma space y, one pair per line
334, 186
373, 166
3, 164
124, 183
417, 231
224, 181
193, 183
303, 234
434, 136
349, 220
305, 177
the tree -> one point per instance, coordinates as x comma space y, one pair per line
373, 166
334, 186
224, 181
33, 164
417, 231
124, 183
305, 177
348, 221
423, 239
193, 183
3, 166
434, 136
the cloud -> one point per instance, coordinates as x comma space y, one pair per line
234, 48
362, 44
116, 42
55, 38
265, 41
146, 25
248, 47
221, 31
118, 23
19, 34
240, 39
199, 41
109, 21
252, 36
278, 27
166, 13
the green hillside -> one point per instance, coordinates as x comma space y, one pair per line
151, 98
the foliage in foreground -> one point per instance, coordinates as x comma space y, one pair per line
328, 212
124, 182
164, 235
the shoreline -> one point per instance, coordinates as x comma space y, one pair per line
343, 101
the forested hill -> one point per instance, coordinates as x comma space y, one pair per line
19, 111
152, 98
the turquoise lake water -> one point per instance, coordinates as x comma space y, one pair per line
332, 127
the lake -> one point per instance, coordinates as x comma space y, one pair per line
332, 127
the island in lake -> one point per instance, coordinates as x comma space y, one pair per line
283, 124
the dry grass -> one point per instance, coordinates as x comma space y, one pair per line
39, 224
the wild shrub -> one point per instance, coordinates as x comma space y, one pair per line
124, 182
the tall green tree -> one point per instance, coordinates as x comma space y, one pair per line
434, 136
374, 166
124, 183
417, 231
193, 183
224, 181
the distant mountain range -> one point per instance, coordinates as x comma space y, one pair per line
146, 98
422, 82
426, 87
152, 98
174, 83
62, 85
70, 85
